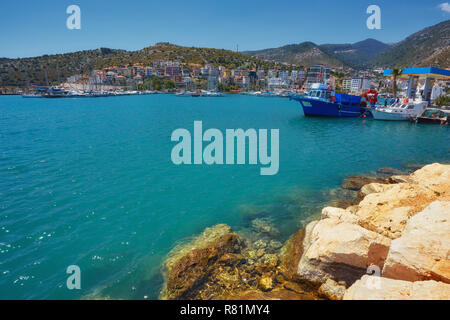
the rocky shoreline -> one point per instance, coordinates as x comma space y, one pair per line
386, 236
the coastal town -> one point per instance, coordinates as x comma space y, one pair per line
171, 76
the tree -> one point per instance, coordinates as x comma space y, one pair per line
396, 72
169, 84
157, 84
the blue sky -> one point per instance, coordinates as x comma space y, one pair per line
31, 28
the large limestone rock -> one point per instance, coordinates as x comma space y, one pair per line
423, 250
332, 290
374, 188
380, 288
340, 250
339, 214
435, 177
387, 212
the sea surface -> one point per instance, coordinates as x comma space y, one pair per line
90, 182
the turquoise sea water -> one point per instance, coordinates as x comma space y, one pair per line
90, 182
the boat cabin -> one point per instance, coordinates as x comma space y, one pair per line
321, 91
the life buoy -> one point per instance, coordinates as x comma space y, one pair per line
406, 100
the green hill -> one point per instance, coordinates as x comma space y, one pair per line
302, 54
18, 72
358, 54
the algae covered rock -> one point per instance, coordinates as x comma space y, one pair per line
190, 265
357, 182
266, 283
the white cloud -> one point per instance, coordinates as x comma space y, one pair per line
445, 7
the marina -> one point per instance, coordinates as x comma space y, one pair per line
322, 100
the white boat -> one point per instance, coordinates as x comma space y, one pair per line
400, 111
213, 94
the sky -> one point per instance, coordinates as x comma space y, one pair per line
32, 28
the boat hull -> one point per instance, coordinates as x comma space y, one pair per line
389, 116
318, 108
432, 121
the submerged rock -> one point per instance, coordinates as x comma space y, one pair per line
263, 226
380, 288
217, 265
390, 171
266, 283
190, 265
357, 182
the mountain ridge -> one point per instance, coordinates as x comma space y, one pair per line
429, 46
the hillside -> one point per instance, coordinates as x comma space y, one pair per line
302, 54
333, 55
357, 54
18, 72
15, 72
428, 46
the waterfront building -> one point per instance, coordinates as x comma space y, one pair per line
138, 71
185, 72
297, 75
272, 73
196, 72
275, 82
204, 71
360, 84
347, 84
172, 71
317, 74
149, 72
159, 72
283, 75
261, 74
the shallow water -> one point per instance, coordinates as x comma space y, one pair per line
90, 182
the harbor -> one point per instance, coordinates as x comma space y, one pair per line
216, 154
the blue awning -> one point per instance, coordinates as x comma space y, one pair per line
423, 72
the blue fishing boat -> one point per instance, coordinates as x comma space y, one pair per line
323, 101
